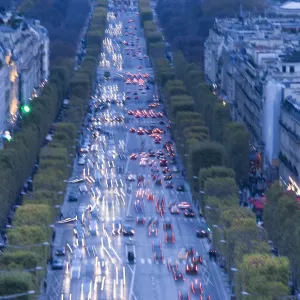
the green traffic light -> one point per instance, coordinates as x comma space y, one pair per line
26, 108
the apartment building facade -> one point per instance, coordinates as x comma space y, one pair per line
24, 65
253, 62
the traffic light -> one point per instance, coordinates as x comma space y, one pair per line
25, 108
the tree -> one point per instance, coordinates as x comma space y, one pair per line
30, 215
16, 282
237, 147
214, 172
222, 188
221, 117
204, 155
27, 235
18, 260
263, 276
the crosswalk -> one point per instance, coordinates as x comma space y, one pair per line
173, 218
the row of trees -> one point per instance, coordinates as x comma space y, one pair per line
186, 24
32, 226
281, 220
215, 152
64, 21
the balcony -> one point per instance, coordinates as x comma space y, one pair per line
247, 96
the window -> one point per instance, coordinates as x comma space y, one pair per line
283, 69
292, 69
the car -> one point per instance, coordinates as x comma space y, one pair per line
131, 177
139, 206
212, 254
140, 131
81, 161
158, 181
153, 229
151, 153
140, 221
83, 189
197, 259
180, 188
178, 275
57, 264
86, 290
150, 197
133, 156
184, 295
130, 257
93, 228
166, 170
183, 205
189, 213
191, 268
168, 177
156, 245
172, 161
174, 210
196, 286
170, 237
163, 163
132, 130
158, 255
172, 265
60, 251
167, 224
72, 197
116, 227
190, 252
127, 230
169, 185
202, 232
182, 253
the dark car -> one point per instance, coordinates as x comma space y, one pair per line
57, 264
140, 221
169, 237
178, 275
183, 295
73, 197
60, 251
168, 177
130, 257
163, 163
128, 230
156, 245
158, 181
191, 267
180, 188
167, 224
202, 232
212, 253
151, 153
158, 255
189, 213
197, 259
196, 287
169, 185
166, 170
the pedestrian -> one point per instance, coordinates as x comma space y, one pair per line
53, 236
45, 286
61, 215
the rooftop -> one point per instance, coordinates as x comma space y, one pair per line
290, 5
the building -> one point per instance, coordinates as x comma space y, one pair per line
252, 61
290, 136
24, 65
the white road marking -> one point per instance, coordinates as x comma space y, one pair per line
132, 282
142, 261
149, 261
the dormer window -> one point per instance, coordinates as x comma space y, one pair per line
292, 69
283, 69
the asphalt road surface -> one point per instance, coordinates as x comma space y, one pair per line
95, 265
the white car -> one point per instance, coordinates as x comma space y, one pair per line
182, 253
81, 161
183, 205
83, 189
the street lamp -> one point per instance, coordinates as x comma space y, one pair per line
13, 296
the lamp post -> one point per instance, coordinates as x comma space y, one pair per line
13, 296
